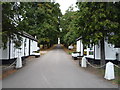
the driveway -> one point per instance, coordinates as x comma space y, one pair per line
55, 69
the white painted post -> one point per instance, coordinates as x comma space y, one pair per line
109, 71
58, 40
82, 53
78, 46
83, 62
19, 62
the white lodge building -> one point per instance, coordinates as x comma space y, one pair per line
29, 45
93, 52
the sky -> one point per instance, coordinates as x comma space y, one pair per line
64, 4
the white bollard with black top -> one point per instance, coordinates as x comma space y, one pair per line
19, 62
83, 62
109, 71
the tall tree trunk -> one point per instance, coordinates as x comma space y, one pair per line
102, 47
50, 45
43, 46
83, 49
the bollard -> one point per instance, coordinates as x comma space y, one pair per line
83, 62
19, 62
109, 71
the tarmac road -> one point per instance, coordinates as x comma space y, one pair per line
55, 69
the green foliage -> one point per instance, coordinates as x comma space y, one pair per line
36, 18
8, 23
94, 22
98, 20
69, 29
41, 20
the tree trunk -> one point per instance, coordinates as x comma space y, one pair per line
83, 50
102, 47
43, 46
50, 45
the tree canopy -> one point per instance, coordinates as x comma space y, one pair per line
94, 22
69, 29
39, 19
99, 20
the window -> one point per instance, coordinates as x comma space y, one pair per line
91, 52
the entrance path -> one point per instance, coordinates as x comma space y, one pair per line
54, 70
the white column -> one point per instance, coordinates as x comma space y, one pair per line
19, 62
82, 53
109, 71
58, 40
78, 46
83, 62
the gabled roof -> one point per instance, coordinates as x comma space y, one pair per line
78, 38
25, 34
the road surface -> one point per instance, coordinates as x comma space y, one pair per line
55, 69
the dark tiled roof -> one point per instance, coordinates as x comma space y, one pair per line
27, 35
78, 38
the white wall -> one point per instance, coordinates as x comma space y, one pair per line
27, 47
22, 47
118, 50
97, 52
4, 52
110, 51
33, 47
14, 52
78, 46
81, 46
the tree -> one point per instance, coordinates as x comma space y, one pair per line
69, 29
114, 38
9, 23
42, 21
36, 18
97, 22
